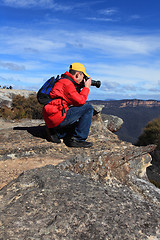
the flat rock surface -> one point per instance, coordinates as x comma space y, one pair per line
96, 193
23, 146
47, 203
20, 150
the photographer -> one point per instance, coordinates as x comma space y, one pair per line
67, 116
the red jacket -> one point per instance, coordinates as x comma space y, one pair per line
55, 111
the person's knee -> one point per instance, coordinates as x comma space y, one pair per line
89, 108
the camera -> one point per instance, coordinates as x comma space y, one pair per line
95, 83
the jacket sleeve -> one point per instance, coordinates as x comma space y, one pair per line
76, 98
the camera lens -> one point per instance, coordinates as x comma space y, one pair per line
95, 83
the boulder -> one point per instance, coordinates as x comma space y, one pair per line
6, 95
153, 171
47, 203
98, 193
111, 122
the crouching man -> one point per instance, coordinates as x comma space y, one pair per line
67, 116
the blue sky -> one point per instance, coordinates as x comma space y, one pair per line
118, 41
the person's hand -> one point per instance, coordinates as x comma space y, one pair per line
87, 83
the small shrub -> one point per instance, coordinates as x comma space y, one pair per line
151, 134
7, 113
22, 108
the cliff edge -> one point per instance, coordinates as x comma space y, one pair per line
97, 193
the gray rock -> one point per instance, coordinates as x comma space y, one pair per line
6, 95
98, 108
112, 123
47, 203
153, 171
97, 193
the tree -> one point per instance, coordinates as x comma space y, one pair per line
151, 134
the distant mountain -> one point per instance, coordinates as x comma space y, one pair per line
135, 114
127, 103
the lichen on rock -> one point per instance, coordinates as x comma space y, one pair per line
96, 193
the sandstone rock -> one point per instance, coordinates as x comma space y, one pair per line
96, 193
108, 159
6, 95
47, 203
97, 108
129, 103
153, 171
112, 123
118, 163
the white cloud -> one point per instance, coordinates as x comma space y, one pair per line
47, 4
21, 44
134, 17
12, 66
21, 78
143, 76
121, 80
109, 15
114, 43
121, 44
111, 44
109, 11
27, 3
42, 54
100, 19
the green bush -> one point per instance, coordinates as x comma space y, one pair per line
151, 134
22, 108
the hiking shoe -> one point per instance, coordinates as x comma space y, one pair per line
72, 142
52, 137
